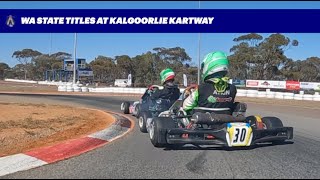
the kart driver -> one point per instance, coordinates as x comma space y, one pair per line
170, 90
214, 94
151, 89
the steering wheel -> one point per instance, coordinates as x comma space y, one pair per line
153, 88
190, 89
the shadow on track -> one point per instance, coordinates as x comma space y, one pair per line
195, 147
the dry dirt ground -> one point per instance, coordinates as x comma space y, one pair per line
25, 87
25, 126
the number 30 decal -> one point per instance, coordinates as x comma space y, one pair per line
240, 135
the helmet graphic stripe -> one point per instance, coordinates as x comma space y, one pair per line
215, 62
166, 74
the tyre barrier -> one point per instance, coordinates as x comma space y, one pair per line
278, 95
21, 81
240, 92
84, 89
241, 95
62, 88
69, 88
298, 97
252, 93
288, 96
270, 94
316, 98
76, 89
308, 97
73, 88
262, 94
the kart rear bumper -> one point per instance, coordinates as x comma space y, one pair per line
218, 137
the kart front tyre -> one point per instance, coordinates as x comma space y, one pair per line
126, 106
143, 122
137, 109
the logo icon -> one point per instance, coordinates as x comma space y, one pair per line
252, 83
10, 21
265, 83
212, 99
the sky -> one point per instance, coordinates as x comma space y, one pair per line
90, 45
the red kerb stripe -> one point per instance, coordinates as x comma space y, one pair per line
66, 150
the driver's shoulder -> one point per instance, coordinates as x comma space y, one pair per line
232, 86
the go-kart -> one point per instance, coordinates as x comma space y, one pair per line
160, 108
154, 109
215, 128
135, 107
128, 108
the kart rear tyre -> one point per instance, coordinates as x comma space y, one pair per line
273, 122
159, 127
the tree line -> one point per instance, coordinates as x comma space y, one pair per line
251, 57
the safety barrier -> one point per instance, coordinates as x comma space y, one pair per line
54, 83
240, 93
69, 87
21, 81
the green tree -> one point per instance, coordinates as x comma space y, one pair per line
18, 71
144, 70
174, 58
61, 55
258, 58
124, 66
45, 62
25, 56
242, 59
3, 69
103, 68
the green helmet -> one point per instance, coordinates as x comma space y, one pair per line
166, 75
215, 62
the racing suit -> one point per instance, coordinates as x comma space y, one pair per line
170, 92
206, 98
146, 95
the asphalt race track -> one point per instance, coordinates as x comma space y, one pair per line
133, 156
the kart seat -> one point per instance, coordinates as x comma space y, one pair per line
213, 110
237, 109
213, 118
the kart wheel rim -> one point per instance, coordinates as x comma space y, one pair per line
140, 122
151, 131
122, 108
